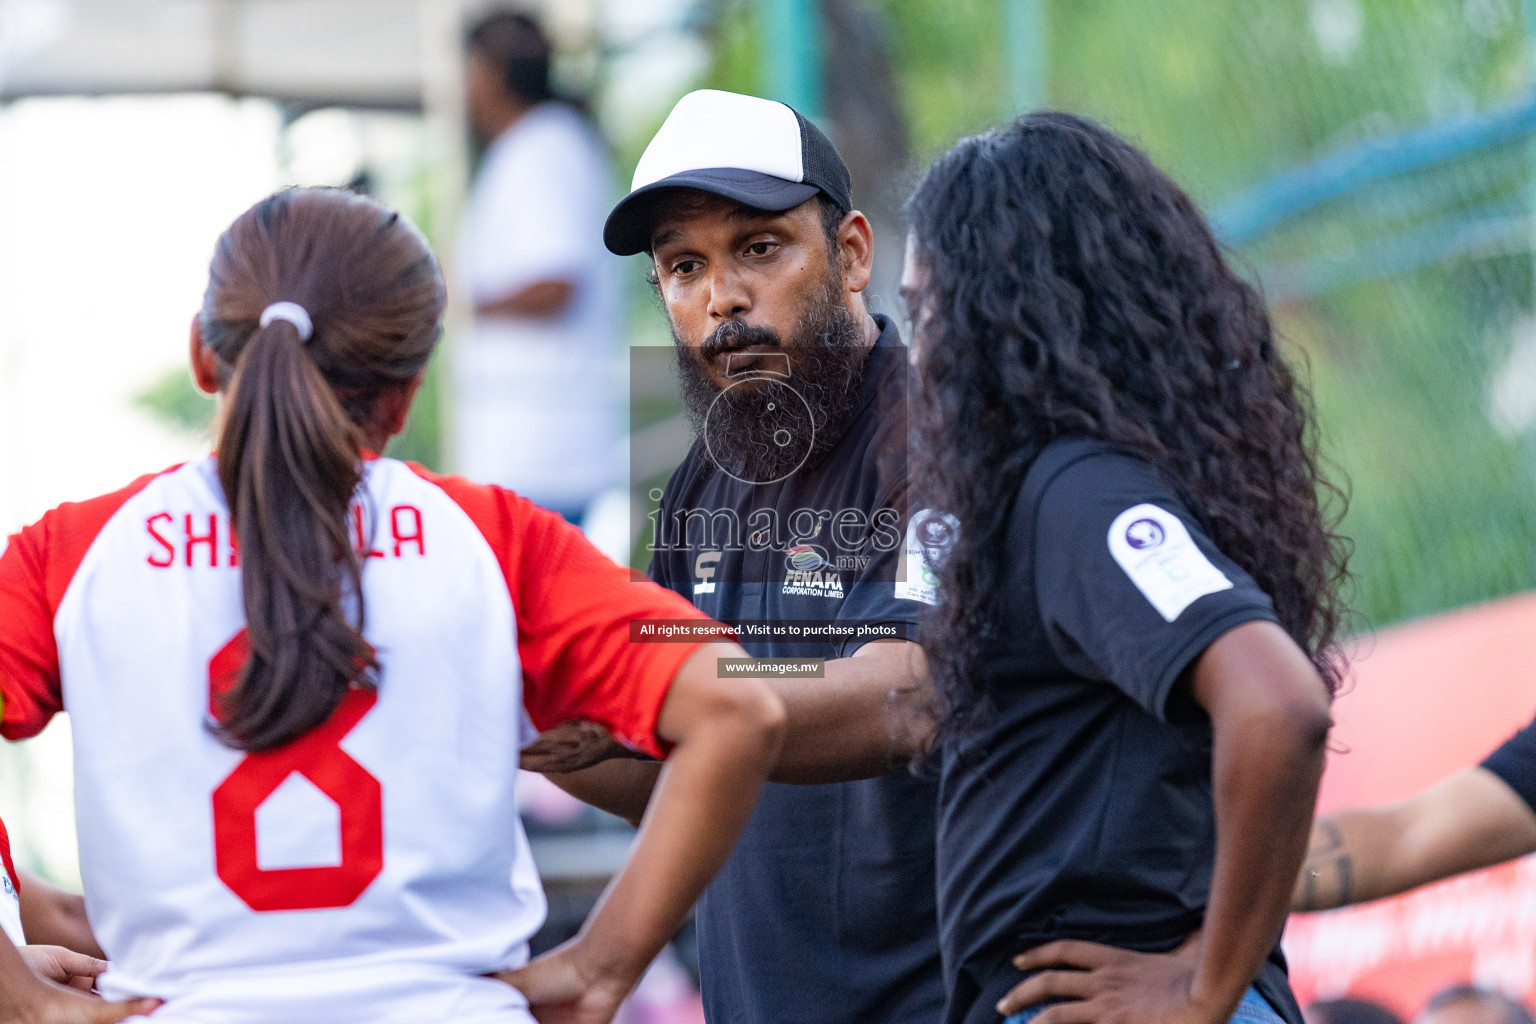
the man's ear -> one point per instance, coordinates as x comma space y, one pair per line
205, 365
856, 248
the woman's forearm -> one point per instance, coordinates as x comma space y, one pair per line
52, 917
16, 978
726, 746
1266, 771
1269, 718
701, 802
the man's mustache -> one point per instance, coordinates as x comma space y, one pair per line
734, 334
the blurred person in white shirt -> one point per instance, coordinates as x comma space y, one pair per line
539, 399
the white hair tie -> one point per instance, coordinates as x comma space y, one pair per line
293, 313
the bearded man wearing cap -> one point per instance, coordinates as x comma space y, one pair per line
789, 519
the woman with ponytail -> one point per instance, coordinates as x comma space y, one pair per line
299, 676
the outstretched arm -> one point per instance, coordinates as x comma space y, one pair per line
727, 735
1471, 820
865, 718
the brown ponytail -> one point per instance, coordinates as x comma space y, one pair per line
289, 453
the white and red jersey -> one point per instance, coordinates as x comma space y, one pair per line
10, 891
373, 869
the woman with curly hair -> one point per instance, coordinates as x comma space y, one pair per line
1133, 653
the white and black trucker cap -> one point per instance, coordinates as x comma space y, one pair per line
760, 153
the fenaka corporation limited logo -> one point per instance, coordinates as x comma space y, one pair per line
810, 573
806, 557
1144, 534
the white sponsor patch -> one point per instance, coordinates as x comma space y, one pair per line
1156, 551
915, 579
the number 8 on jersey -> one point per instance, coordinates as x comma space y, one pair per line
319, 758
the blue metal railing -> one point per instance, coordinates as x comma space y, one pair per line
1293, 192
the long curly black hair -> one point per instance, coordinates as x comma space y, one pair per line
1070, 288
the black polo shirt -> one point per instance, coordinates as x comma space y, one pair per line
1083, 808
1515, 762
825, 911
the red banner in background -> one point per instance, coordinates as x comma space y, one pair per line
1479, 927
1424, 701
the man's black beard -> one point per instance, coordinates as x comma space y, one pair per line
762, 431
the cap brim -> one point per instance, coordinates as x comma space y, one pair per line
629, 227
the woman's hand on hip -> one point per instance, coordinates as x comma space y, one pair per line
1088, 983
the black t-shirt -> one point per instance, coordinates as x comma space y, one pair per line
825, 911
1515, 762
1083, 809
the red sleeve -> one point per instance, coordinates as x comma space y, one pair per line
35, 570
573, 608
29, 658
